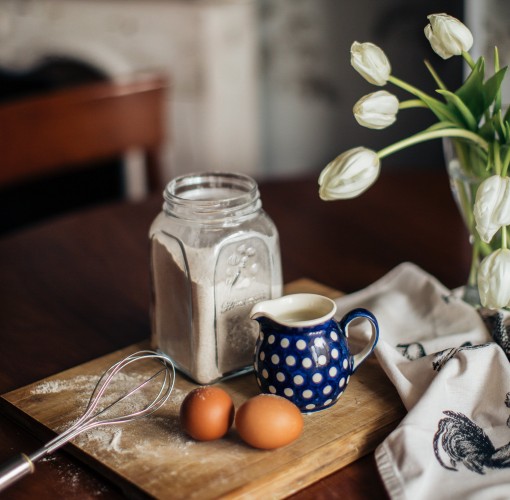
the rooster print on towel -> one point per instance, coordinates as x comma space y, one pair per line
415, 350
497, 324
463, 441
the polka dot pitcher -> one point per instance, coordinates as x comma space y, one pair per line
302, 352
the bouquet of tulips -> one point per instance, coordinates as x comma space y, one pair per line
471, 116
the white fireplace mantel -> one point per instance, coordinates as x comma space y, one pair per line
207, 48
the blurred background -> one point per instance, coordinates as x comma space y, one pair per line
262, 87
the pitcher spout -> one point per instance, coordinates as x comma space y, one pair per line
301, 310
261, 311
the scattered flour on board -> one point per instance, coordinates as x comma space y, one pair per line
115, 442
78, 383
150, 444
145, 438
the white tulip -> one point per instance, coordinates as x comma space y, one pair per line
447, 35
377, 110
492, 206
370, 62
494, 279
348, 175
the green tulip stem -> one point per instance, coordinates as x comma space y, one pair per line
475, 260
411, 103
467, 57
497, 159
436, 77
440, 109
409, 88
505, 163
430, 135
503, 238
497, 100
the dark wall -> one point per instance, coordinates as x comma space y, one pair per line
309, 86
398, 30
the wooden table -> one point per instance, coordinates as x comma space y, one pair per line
78, 288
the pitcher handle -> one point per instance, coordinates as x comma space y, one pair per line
344, 324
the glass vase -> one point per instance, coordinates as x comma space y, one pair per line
466, 167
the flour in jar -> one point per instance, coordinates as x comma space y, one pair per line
202, 300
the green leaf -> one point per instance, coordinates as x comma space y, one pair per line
496, 125
491, 88
500, 126
471, 93
507, 131
441, 110
487, 130
506, 118
470, 121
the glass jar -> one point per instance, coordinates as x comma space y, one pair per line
214, 254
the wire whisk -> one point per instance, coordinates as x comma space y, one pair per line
96, 415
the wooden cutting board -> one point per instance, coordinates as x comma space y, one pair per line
153, 457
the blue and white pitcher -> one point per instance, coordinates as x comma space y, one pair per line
302, 352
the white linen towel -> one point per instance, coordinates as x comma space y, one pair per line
454, 380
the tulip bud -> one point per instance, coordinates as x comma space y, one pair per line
492, 206
370, 62
447, 35
377, 110
494, 279
348, 175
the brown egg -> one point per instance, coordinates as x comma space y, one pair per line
267, 421
207, 413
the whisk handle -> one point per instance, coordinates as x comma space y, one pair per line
15, 469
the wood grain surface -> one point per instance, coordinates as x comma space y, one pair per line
154, 457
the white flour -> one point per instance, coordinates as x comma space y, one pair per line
201, 313
79, 383
142, 434
175, 314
